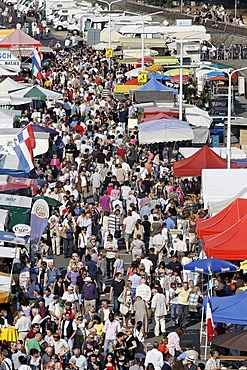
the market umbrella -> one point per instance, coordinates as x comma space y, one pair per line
154, 68
132, 82
50, 201
236, 340
209, 266
177, 78
218, 78
35, 93
147, 60
243, 265
176, 71
215, 73
159, 77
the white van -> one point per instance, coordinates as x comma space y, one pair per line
63, 21
52, 5
57, 13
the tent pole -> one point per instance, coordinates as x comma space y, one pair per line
206, 345
201, 324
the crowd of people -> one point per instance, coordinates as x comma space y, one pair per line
223, 52
116, 200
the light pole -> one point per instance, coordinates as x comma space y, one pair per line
143, 31
235, 10
229, 114
181, 39
109, 4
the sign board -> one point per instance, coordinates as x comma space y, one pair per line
9, 60
132, 122
183, 22
190, 339
142, 77
21, 229
109, 53
15, 201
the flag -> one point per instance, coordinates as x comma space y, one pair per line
36, 64
209, 319
27, 134
38, 221
24, 153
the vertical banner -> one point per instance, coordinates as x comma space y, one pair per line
39, 219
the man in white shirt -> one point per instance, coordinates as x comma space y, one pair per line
80, 360
154, 357
147, 264
128, 227
159, 244
143, 291
23, 325
158, 306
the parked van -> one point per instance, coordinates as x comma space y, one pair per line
55, 15
63, 21
52, 5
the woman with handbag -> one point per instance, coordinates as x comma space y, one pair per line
126, 308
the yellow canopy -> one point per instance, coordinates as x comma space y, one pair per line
176, 72
243, 265
125, 89
154, 67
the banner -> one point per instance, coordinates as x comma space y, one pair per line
11, 238
39, 219
15, 201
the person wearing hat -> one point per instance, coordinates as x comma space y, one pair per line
89, 293
69, 295
190, 363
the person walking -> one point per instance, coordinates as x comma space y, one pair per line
158, 305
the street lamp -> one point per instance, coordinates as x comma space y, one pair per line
181, 39
109, 4
229, 114
143, 31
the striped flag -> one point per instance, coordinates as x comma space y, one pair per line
209, 319
24, 149
27, 134
36, 64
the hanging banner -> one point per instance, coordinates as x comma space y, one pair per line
8, 237
39, 219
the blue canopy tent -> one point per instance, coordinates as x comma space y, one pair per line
215, 74
154, 85
153, 90
211, 266
230, 309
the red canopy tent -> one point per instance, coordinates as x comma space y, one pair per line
19, 39
152, 111
193, 165
230, 245
157, 116
222, 220
132, 82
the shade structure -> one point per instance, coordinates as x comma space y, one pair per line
211, 266
50, 201
164, 130
193, 165
223, 220
133, 72
215, 73
132, 82
157, 117
176, 78
197, 117
176, 71
231, 242
243, 265
160, 77
36, 93
215, 207
19, 39
154, 85
218, 78
154, 67
236, 340
147, 60
229, 309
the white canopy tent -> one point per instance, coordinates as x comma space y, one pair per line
215, 207
220, 184
165, 130
197, 117
236, 153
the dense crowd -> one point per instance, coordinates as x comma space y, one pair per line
216, 13
115, 198
223, 52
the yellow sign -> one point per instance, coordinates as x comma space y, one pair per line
142, 77
109, 53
